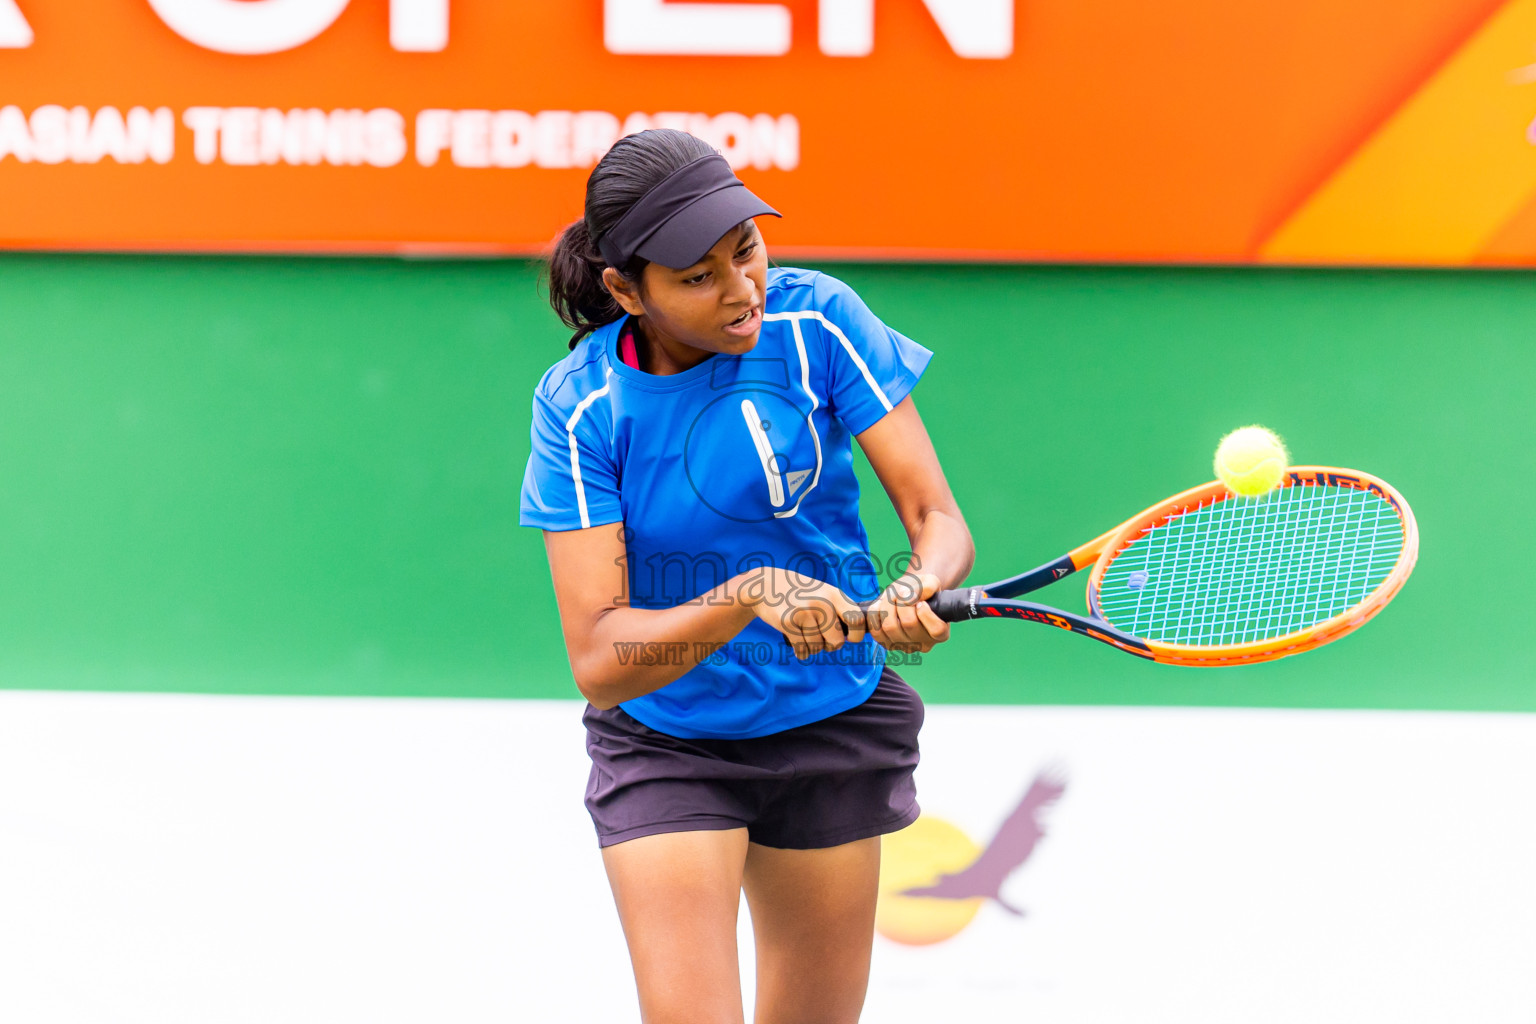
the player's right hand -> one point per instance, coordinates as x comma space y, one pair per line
813, 616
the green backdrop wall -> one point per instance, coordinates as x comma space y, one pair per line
301, 476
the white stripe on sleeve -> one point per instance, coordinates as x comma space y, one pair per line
570, 433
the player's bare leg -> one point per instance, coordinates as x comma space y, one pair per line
813, 912
678, 895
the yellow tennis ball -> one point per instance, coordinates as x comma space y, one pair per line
1251, 461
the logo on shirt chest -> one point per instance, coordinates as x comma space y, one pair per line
753, 453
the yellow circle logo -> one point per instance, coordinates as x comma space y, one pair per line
916, 857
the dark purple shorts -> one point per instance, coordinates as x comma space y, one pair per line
823, 784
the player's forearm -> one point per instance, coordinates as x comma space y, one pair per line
942, 547
630, 652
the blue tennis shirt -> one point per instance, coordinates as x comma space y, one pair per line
739, 462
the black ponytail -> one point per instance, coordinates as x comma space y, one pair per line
635, 165
576, 288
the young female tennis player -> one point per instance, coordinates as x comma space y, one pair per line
692, 471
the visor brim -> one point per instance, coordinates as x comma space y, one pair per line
689, 234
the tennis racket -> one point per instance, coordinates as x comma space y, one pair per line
1208, 578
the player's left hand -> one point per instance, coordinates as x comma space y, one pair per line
900, 619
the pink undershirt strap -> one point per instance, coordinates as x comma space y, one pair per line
627, 351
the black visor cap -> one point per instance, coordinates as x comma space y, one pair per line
688, 237
682, 218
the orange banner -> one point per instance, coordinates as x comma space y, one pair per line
1393, 131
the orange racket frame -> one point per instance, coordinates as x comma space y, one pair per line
994, 600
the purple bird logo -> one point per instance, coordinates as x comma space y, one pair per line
934, 879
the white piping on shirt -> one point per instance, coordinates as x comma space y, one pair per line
805, 385
764, 451
858, 360
570, 433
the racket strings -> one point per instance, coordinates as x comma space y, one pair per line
1233, 572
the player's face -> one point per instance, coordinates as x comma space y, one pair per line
715, 305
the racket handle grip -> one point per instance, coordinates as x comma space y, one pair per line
956, 605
